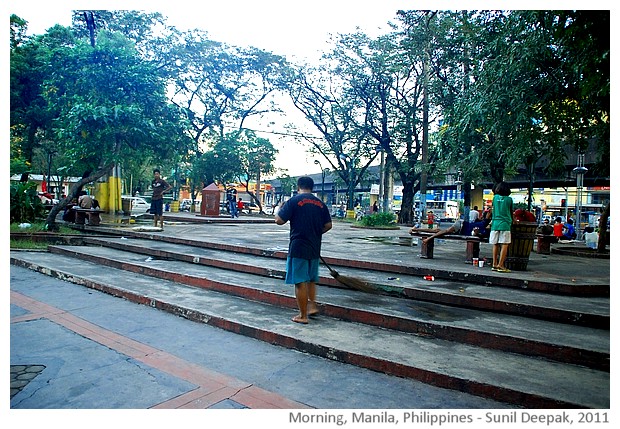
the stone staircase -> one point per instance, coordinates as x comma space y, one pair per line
527, 348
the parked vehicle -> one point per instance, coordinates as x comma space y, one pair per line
137, 206
186, 205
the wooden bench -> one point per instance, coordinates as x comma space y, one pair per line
91, 214
472, 244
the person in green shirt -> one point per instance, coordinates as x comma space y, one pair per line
501, 225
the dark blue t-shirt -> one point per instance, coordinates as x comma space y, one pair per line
307, 215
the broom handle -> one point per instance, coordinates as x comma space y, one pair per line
327, 265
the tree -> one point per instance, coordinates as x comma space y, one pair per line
519, 95
108, 105
241, 157
29, 116
218, 88
380, 85
325, 96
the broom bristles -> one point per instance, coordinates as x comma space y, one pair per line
352, 282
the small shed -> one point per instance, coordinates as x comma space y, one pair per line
210, 205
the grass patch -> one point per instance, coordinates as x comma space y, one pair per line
28, 245
40, 227
34, 228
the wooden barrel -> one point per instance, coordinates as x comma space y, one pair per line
522, 243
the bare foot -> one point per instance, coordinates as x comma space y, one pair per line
312, 310
299, 319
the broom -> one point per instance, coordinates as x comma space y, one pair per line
350, 282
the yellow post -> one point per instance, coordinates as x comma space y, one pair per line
102, 193
118, 205
115, 190
109, 193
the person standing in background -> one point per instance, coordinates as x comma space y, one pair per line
501, 226
430, 219
231, 199
160, 187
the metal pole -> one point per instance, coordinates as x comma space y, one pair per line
580, 170
381, 184
349, 164
317, 162
566, 206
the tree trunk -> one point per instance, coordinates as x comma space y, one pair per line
602, 230
466, 200
50, 222
407, 204
90, 24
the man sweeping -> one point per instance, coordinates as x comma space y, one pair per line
309, 220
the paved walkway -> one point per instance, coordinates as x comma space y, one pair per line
100, 352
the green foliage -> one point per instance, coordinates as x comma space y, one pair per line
378, 220
39, 226
18, 166
508, 87
520, 88
111, 104
27, 244
240, 156
25, 203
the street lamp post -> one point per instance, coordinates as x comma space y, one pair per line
316, 161
349, 163
459, 182
579, 171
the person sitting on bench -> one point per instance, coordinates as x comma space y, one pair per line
85, 201
455, 228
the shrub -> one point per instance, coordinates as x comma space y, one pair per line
26, 206
379, 219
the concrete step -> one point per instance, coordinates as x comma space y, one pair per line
513, 378
399, 259
584, 345
583, 311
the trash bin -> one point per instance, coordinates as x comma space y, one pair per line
522, 244
174, 206
544, 243
210, 205
126, 206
